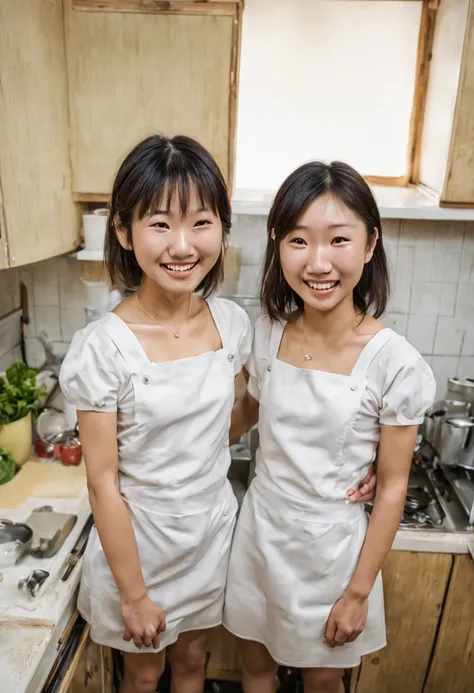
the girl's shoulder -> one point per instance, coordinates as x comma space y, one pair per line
229, 316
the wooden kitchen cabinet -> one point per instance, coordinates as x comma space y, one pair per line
93, 672
452, 665
132, 72
415, 586
37, 215
225, 661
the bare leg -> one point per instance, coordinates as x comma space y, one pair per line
259, 669
142, 672
322, 680
187, 658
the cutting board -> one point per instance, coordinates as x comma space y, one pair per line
42, 480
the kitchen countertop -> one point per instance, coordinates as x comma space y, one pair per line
433, 541
30, 629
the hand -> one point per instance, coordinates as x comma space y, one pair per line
144, 621
346, 620
366, 488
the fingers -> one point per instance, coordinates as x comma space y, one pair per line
127, 634
330, 631
156, 642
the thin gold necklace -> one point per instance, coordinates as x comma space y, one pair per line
307, 356
173, 332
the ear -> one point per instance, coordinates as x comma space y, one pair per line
272, 234
121, 233
371, 245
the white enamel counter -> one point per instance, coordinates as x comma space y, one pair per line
28, 650
433, 541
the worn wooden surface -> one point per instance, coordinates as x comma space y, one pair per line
133, 75
34, 150
222, 7
459, 182
452, 666
414, 586
94, 670
225, 661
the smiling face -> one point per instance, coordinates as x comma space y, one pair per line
323, 256
176, 249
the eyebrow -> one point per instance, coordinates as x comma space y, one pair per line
167, 211
302, 227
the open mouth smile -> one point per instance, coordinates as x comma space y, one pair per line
180, 270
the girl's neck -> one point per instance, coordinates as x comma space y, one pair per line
161, 304
333, 324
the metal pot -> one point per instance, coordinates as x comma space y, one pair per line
15, 541
457, 443
442, 410
432, 427
462, 389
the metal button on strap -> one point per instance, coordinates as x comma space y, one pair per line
146, 379
354, 387
230, 357
269, 368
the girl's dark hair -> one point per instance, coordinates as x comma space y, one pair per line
152, 173
298, 191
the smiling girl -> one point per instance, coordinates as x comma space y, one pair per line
153, 383
332, 389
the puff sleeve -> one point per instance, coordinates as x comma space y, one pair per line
244, 341
259, 357
408, 393
89, 376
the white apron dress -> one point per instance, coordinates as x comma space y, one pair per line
297, 541
173, 443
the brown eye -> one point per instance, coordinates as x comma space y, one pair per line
339, 239
298, 241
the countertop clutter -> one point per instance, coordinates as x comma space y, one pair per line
38, 591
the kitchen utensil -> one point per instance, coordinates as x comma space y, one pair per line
78, 550
432, 427
70, 451
457, 445
15, 541
50, 530
417, 499
94, 226
462, 389
32, 584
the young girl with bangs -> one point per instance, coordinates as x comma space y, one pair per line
153, 383
332, 389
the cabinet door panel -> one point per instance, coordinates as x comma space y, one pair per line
414, 586
39, 217
452, 667
133, 75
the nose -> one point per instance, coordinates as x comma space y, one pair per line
319, 261
181, 246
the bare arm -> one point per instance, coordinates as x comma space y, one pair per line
99, 443
347, 619
245, 411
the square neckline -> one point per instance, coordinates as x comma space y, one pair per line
144, 355
352, 374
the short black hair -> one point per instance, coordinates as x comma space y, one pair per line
153, 172
298, 191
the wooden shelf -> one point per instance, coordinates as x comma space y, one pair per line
209, 7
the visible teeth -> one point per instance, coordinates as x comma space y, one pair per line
180, 268
321, 286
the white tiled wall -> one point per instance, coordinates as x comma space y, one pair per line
56, 302
432, 275
432, 302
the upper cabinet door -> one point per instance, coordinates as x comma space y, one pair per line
132, 75
38, 218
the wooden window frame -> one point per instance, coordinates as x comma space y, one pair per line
235, 8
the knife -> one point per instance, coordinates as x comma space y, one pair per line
78, 550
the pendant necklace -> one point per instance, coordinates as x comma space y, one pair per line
173, 332
307, 356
